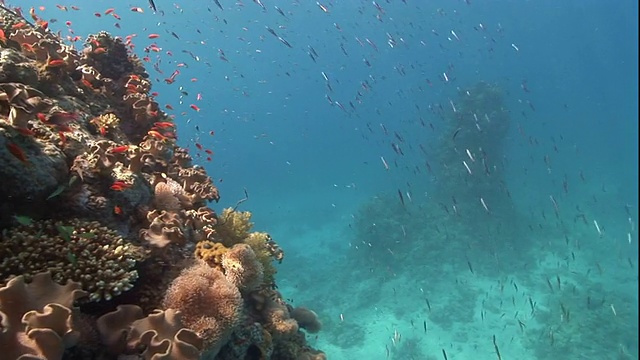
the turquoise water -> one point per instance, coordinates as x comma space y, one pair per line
534, 255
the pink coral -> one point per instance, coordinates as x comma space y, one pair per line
209, 304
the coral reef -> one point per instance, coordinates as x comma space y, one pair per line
85, 252
97, 195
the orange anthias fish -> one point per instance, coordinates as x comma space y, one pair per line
119, 149
17, 152
119, 186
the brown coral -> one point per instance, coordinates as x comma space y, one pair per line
306, 319
242, 268
209, 304
198, 184
86, 252
233, 226
211, 253
165, 228
162, 334
266, 251
36, 319
23, 102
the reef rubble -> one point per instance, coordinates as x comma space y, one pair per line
108, 246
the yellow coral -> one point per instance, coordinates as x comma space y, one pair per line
233, 226
105, 122
211, 253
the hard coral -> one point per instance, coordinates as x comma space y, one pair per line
36, 319
85, 252
209, 304
105, 122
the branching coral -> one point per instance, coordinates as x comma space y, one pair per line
233, 226
81, 251
209, 304
105, 122
36, 319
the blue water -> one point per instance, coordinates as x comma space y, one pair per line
568, 74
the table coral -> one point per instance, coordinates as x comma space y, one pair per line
85, 252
